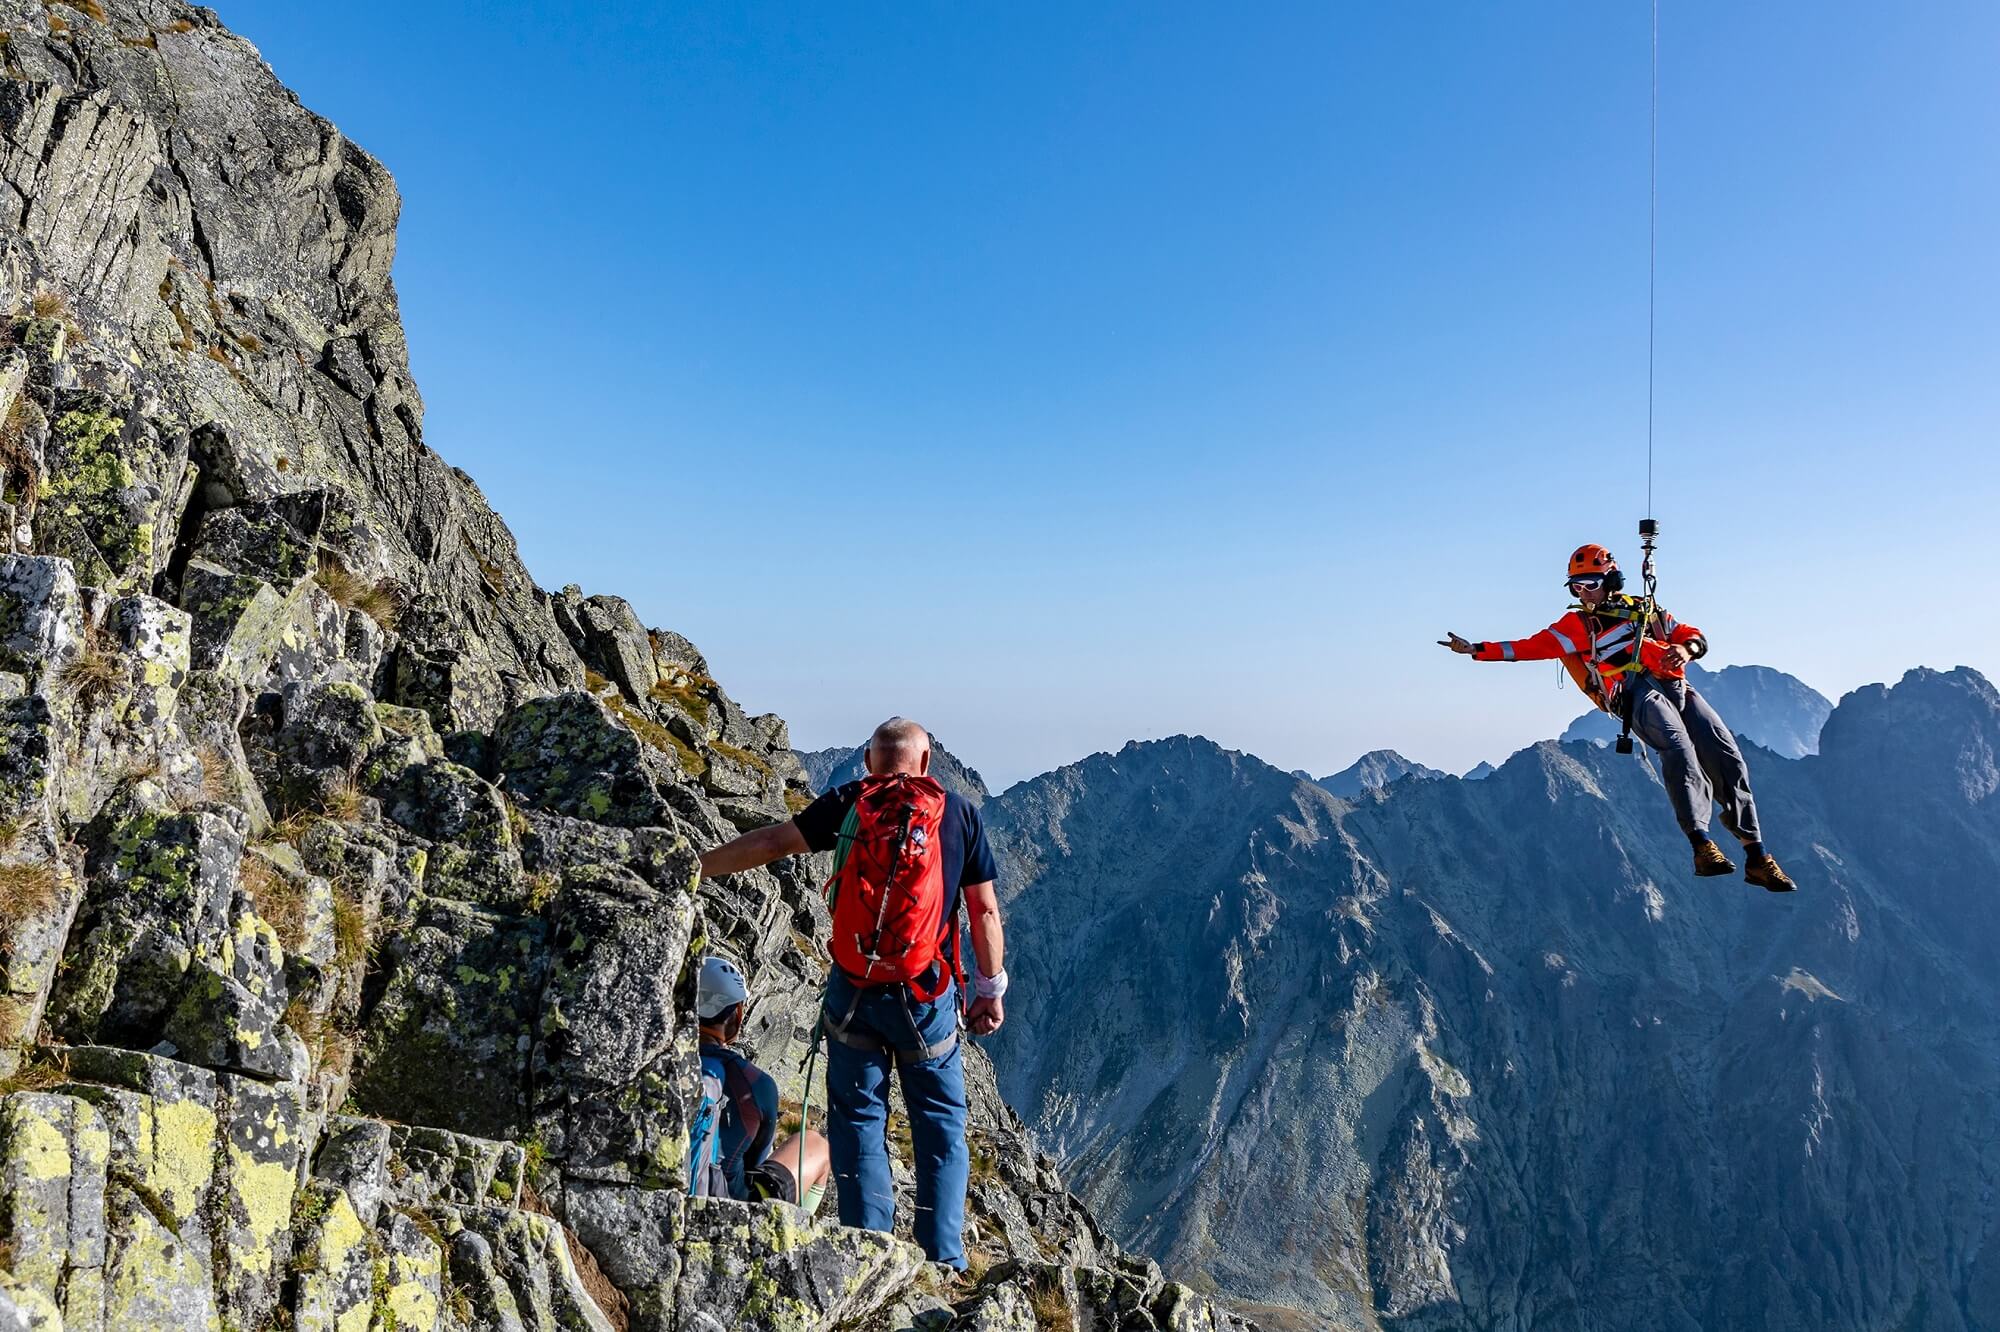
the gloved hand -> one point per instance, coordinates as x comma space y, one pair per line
1457, 644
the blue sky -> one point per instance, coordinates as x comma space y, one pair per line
1062, 375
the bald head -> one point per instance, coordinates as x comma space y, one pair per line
899, 745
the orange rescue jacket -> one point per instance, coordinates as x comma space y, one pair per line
1597, 646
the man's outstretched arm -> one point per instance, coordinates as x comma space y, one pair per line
752, 849
1563, 638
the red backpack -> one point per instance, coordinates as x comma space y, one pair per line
888, 892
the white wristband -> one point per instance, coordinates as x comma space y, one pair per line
990, 987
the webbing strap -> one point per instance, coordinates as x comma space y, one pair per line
854, 1040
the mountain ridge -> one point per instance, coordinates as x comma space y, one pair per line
1495, 953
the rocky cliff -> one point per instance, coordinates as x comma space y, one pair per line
1484, 1054
348, 883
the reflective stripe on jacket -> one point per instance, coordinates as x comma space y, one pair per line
1597, 645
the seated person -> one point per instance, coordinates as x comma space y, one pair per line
732, 1152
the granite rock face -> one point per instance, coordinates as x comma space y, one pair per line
1485, 1054
348, 882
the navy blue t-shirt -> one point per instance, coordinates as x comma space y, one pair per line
961, 837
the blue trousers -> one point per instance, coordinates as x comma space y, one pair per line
857, 1097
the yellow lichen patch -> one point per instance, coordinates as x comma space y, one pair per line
90, 1140
182, 1162
265, 1189
340, 1234
40, 1309
253, 930
152, 1272
329, 1248
33, 1137
410, 1296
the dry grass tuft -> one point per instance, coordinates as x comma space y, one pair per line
742, 756
94, 674
293, 827
19, 474
330, 1046
344, 803
1049, 1305
685, 694
659, 737
30, 890
218, 769
39, 1071
90, 9
378, 601
278, 899
978, 1262
985, 1159
350, 932
49, 304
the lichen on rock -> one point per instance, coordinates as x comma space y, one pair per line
350, 878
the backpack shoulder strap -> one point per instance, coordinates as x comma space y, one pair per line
741, 1089
850, 828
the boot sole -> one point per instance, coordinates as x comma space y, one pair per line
1770, 887
1716, 872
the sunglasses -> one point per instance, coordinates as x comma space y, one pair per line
1586, 583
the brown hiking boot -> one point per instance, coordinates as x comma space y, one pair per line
1709, 862
1764, 872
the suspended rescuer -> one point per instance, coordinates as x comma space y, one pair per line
731, 1152
1631, 658
908, 855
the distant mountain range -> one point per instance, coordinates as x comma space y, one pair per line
1375, 770
1768, 707
828, 768
1483, 1054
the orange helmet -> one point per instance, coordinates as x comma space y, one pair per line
1591, 560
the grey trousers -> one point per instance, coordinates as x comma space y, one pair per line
1703, 768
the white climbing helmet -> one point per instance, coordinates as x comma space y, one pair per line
720, 987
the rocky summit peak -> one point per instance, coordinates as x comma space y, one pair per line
349, 896
1374, 771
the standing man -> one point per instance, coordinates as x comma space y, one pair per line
1631, 658
910, 1024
